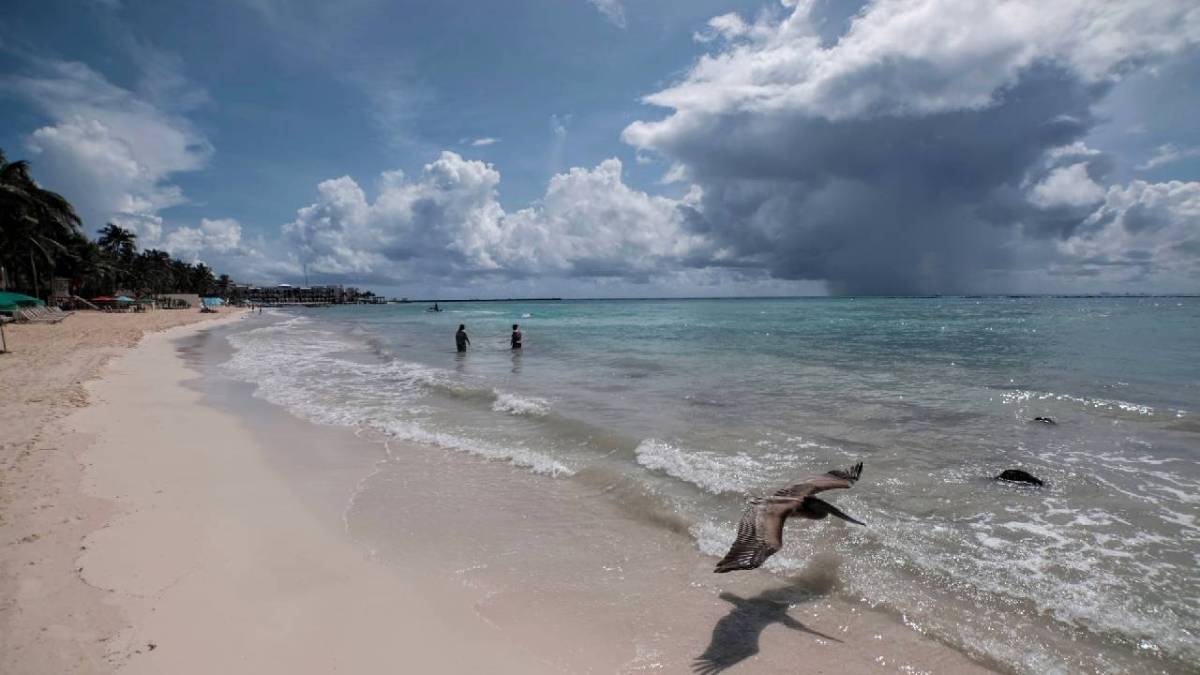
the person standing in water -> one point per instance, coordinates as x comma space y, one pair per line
461, 339
516, 337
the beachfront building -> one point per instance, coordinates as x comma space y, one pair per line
178, 300
287, 294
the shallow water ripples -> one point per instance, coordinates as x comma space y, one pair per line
1021, 576
292, 366
677, 410
1011, 563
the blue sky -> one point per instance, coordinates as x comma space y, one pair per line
626, 147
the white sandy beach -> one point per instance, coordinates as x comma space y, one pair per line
149, 532
204, 562
50, 621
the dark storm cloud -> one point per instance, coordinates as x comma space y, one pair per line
884, 167
884, 205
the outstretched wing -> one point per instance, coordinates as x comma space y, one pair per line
836, 479
760, 535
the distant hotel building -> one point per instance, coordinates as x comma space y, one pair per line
287, 294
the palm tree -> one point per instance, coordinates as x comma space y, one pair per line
223, 285
200, 279
91, 270
120, 246
151, 272
180, 276
117, 241
35, 224
40, 231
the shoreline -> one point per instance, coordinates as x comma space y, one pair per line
214, 536
217, 564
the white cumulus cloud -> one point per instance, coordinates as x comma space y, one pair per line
1067, 186
918, 56
108, 150
1142, 231
213, 236
448, 221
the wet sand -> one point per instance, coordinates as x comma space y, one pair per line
235, 538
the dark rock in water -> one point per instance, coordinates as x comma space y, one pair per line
1045, 420
1019, 476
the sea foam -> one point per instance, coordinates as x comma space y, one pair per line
520, 405
292, 366
711, 471
1078, 575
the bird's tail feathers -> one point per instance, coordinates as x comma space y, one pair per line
833, 510
822, 507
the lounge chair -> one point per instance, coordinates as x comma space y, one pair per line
39, 315
50, 312
81, 301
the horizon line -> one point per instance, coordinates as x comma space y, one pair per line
1014, 296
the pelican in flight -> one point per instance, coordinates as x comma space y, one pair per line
760, 533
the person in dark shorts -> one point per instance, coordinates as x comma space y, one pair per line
516, 337
461, 339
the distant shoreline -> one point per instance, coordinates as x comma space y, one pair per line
805, 297
422, 302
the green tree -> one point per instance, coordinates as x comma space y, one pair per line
152, 272
117, 241
89, 268
200, 279
119, 245
181, 277
41, 237
35, 227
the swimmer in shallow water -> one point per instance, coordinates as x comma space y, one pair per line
460, 338
516, 336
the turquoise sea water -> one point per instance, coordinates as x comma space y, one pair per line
701, 402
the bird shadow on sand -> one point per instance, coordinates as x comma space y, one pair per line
736, 635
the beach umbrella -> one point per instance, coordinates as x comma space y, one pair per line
10, 302
103, 298
123, 298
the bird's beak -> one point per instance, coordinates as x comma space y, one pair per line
837, 512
